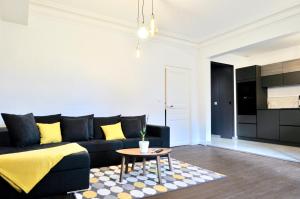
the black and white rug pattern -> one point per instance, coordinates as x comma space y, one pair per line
104, 182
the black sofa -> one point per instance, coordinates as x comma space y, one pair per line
72, 173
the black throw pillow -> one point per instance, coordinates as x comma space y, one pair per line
141, 118
90, 119
131, 127
48, 119
74, 130
101, 121
22, 129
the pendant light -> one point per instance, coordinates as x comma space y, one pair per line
142, 32
138, 50
152, 27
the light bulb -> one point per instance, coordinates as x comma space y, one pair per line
143, 32
152, 26
138, 53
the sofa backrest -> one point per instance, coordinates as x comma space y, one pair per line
4, 137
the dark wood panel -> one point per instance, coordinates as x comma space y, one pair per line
249, 119
268, 124
290, 134
291, 78
246, 130
272, 80
290, 117
246, 74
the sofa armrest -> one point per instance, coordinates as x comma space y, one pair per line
162, 132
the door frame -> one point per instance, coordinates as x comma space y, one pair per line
233, 97
170, 67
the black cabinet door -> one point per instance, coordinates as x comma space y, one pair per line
246, 119
291, 78
290, 117
268, 124
290, 134
246, 130
246, 74
272, 80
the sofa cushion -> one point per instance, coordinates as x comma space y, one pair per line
48, 119
131, 127
141, 118
101, 121
74, 129
134, 142
4, 137
90, 119
22, 129
50, 133
101, 145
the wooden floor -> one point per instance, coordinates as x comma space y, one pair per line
248, 175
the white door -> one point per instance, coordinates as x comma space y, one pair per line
177, 102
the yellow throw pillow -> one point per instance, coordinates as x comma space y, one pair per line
113, 131
50, 133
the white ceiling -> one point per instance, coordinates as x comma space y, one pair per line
193, 20
269, 45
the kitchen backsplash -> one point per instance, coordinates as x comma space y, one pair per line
284, 97
283, 102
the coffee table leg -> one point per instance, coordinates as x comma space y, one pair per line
158, 169
133, 163
122, 168
144, 166
170, 162
126, 165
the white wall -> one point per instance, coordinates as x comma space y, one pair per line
60, 65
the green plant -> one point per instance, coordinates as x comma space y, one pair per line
143, 133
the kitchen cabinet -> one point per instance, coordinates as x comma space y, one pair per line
246, 74
246, 130
268, 124
290, 134
272, 80
291, 78
271, 75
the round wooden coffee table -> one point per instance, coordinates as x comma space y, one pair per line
135, 153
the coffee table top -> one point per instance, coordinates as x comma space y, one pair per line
136, 152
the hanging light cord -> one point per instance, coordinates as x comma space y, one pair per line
152, 8
138, 13
143, 11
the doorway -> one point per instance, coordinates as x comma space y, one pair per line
222, 100
177, 105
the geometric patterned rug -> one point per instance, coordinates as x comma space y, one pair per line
104, 182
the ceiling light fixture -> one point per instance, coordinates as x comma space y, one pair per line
152, 28
143, 31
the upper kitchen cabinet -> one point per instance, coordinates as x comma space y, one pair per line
271, 75
246, 74
291, 72
281, 74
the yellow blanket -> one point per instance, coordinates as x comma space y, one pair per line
25, 169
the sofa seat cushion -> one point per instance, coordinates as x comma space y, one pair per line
74, 161
134, 142
101, 145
